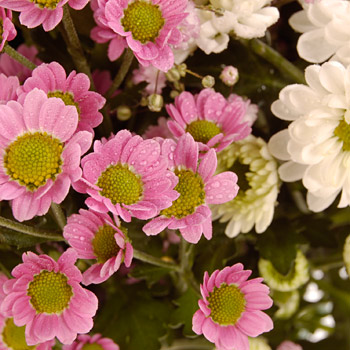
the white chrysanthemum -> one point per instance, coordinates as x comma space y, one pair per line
287, 302
296, 277
316, 144
259, 343
326, 31
346, 254
258, 181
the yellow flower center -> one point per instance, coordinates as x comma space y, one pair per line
50, 292
33, 158
144, 20
226, 304
203, 130
66, 97
120, 184
342, 131
192, 195
14, 337
93, 346
104, 244
49, 4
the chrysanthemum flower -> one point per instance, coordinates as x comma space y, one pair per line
95, 236
7, 29
258, 186
153, 76
8, 87
95, 342
147, 27
159, 130
197, 188
230, 310
316, 144
72, 90
46, 12
209, 118
127, 176
47, 298
289, 345
37, 165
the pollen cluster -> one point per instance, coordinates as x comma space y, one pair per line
66, 97
203, 130
14, 337
49, 292
33, 158
49, 4
120, 184
192, 195
144, 20
226, 304
104, 244
342, 131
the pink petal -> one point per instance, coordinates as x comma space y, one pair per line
210, 330
221, 188
156, 226
197, 322
186, 152
207, 165
253, 323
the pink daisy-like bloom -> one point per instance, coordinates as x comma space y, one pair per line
46, 12
37, 164
197, 188
147, 27
230, 310
153, 76
7, 29
72, 90
46, 297
159, 130
209, 118
8, 87
85, 342
95, 236
127, 176
10, 67
289, 345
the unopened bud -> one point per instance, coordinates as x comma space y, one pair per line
173, 75
208, 81
182, 69
229, 75
174, 93
155, 102
144, 101
123, 112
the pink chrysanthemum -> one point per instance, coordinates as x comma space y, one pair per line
72, 90
95, 236
289, 345
47, 298
7, 29
46, 12
159, 130
154, 77
8, 87
86, 342
147, 27
197, 188
10, 67
37, 164
230, 309
209, 118
127, 176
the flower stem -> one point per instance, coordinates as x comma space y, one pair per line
18, 57
73, 45
155, 261
29, 230
276, 59
58, 214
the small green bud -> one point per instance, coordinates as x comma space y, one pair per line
208, 81
123, 112
155, 102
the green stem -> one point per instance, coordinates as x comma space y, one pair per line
58, 214
18, 57
276, 59
73, 45
29, 230
150, 259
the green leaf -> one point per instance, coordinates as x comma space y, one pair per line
17, 239
151, 274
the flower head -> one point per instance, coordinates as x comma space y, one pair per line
154, 77
127, 176
37, 162
95, 236
8, 87
95, 342
230, 310
289, 345
229, 75
147, 27
46, 12
197, 188
72, 90
7, 29
159, 130
209, 118
47, 298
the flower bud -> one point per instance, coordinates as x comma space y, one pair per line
208, 81
229, 75
155, 102
123, 112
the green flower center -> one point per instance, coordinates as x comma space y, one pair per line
93, 346
104, 244
32, 159
226, 304
192, 195
14, 337
144, 20
342, 131
203, 130
66, 97
120, 184
50, 292
49, 4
